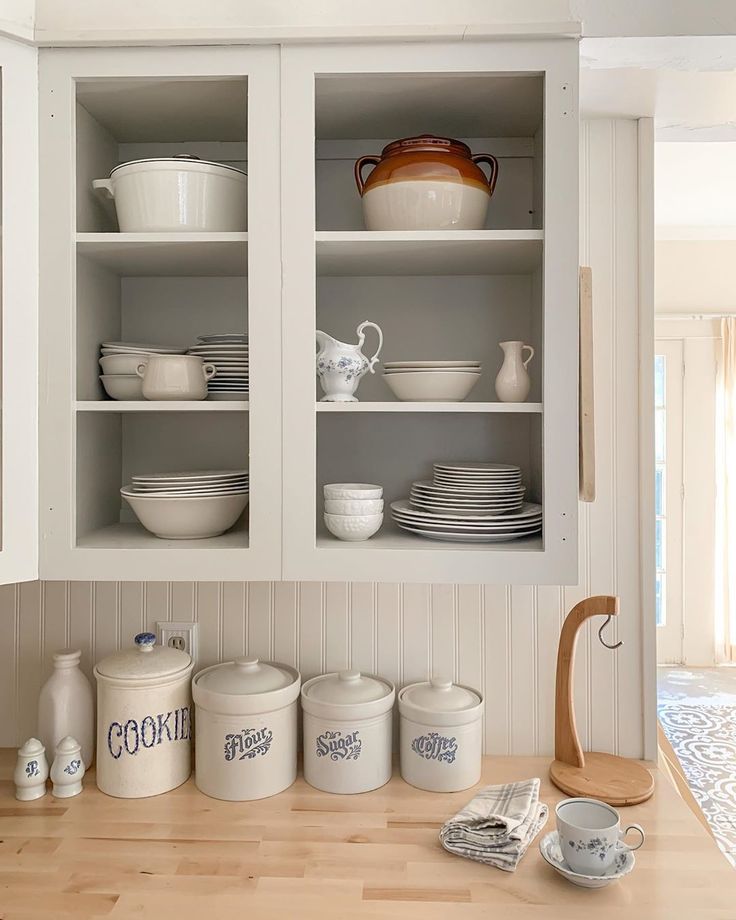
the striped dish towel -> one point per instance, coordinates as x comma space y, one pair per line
498, 825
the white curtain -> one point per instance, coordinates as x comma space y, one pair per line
725, 567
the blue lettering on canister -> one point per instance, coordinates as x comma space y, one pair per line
337, 746
148, 732
434, 746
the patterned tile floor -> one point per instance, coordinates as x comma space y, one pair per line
697, 712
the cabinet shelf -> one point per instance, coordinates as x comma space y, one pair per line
479, 407
391, 537
137, 405
168, 254
136, 537
428, 252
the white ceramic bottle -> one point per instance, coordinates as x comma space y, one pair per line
512, 382
66, 705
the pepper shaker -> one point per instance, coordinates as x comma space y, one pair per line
31, 771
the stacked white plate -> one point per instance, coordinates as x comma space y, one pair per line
119, 362
431, 381
229, 353
188, 505
469, 503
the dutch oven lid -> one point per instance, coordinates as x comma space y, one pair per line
145, 660
181, 159
348, 688
245, 676
440, 695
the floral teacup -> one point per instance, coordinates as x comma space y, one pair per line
591, 836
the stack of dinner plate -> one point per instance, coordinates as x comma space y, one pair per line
229, 353
469, 503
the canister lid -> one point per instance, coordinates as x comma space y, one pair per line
348, 688
144, 661
440, 695
245, 676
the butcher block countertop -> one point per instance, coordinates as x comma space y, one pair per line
305, 854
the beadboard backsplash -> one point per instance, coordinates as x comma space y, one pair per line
500, 639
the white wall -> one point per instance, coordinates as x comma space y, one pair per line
695, 276
17, 18
498, 638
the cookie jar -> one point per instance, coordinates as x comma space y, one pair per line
143, 719
441, 735
245, 728
347, 731
426, 183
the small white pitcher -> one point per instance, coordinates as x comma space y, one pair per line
340, 366
175, 377
512, 382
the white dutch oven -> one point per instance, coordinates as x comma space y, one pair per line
179, 193
440, 735
143, 720
347, 731
245, 729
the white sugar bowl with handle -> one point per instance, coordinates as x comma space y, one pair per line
246, 729
347, 731
440, 735
143, 720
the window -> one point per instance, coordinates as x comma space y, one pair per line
660, 479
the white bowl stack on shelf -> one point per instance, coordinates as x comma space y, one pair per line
229, 353
119, 362
189, 505
353, 510
431, 381
469, 503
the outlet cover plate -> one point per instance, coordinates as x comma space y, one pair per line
186, 632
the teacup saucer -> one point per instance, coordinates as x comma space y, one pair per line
549, 847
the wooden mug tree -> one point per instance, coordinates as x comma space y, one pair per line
612, 779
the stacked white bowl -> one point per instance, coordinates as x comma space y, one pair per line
431, 381
353, 510
119, 362
190, 505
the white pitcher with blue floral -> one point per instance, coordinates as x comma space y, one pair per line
340, 366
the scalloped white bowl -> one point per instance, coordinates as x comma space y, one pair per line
354, 506
353, 527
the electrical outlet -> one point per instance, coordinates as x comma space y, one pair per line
181, 636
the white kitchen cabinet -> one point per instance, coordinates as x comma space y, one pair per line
436, 295
99, 108
296, 118
19, 312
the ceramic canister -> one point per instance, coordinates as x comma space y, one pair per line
426, 183
143, 720
246, 734
440, 735
347, 731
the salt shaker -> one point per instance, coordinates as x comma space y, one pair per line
67, 769
31, 771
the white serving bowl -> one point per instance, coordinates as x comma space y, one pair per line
354, 506
122, 364
122, 386
353, 527
432, 386
186, 518
352, 490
